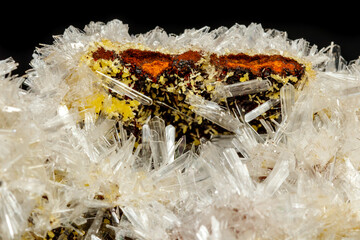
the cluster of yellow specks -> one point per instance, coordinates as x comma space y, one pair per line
284, 80
112, 106
244, 78
107, 67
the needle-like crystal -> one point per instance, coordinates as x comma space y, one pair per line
241, 88
261, 109
122, 89
213, 112
287, 99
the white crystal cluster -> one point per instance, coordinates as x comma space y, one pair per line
301, 180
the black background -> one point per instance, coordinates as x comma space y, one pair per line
24, 27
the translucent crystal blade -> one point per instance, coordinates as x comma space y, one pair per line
240, 172
124, 155
349, 92
145, 152
213, 112
158, 141
170, 142
277, 176
12, 216
11, 109
7, 131
123, 89
223, 140
95, 226
261, 109
336, 61
166, 170
287, 100
269, 129
242, 88
7, 65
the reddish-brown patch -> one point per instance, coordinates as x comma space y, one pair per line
192, 56
258, 64
101, 53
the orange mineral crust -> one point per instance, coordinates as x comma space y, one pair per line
155, 63
259, 65
152, 63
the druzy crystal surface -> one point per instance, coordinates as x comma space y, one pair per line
231, 133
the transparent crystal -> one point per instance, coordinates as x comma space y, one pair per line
268, 127
11, 109
95, 226
256, 112
167, 170
122, 89
213, 112
170, 142
336, 62
145, 146
241, 88
350, 92
158, 142
12, 217
287, 100
278, 175
7, 65
240, 171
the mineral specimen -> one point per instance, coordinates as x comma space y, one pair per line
233, 133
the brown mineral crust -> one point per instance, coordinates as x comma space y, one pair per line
101, 53
185, 63
189, 56
259, 65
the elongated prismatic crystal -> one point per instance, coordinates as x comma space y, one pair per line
287, 100
261, 109
241, 88
122, 89
213, 112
